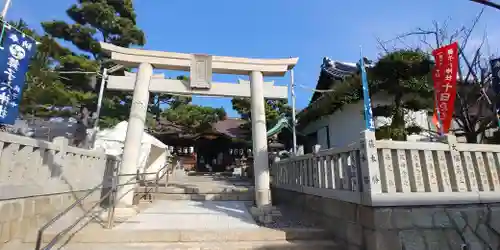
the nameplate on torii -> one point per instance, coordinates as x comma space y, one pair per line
201, 71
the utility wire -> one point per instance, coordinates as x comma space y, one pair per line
76, 72
316, 90
313, 89
5, 24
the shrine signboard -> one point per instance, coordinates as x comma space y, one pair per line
445, 83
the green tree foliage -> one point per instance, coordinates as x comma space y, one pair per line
158, 101
43, 87
194, 118
404, 75
46, 87
179, 111
112, 21
275, 109
109, 21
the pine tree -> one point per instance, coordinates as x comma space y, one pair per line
275, 109
111, 21
42, 87
405, 76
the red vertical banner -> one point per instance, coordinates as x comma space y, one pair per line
444, 75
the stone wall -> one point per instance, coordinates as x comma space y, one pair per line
23, 216
39, 179
360, 227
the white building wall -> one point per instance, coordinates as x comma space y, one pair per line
345, 125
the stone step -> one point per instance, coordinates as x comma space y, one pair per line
254, 245
184, 236
195, 193
211, 189
196, 197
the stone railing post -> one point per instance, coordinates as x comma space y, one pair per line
315, 166
369, 167
316, 148
456, 160
61, 142
56, 164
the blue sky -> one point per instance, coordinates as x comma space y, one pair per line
309, 29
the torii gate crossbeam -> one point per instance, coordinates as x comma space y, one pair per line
161, 85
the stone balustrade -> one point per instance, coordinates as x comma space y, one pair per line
38, 179
331, 173
391, 173
379, 194
431, 173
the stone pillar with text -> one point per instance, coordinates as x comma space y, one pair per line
369, 167
135, 130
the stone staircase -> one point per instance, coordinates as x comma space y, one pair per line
193, 192
195, 213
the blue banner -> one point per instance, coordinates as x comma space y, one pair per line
15, 55
370, 125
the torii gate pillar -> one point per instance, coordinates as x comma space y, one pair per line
201, 68
259, 137
135, 130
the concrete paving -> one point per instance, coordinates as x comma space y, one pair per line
192, 215
257, 245
204, 224
254, 245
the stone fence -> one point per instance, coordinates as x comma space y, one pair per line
38, 179
388, 194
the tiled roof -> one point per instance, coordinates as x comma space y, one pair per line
230, 127
331, 71
334, 70
338, 69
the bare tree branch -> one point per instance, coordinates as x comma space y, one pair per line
473, 109
382, 45
472, 27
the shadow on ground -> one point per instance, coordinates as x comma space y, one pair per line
299, 246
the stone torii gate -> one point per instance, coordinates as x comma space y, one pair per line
201, 68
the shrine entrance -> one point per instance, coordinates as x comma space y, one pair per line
208, 152
201, 68
218, 153
224, 146
212, 155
